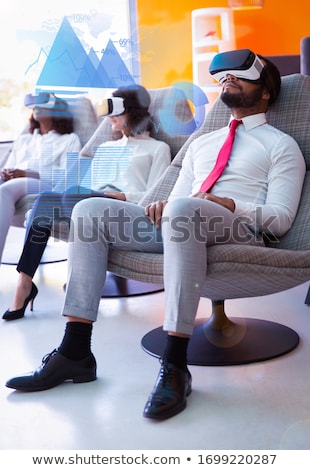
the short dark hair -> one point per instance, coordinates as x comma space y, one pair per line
136, 102
271, 78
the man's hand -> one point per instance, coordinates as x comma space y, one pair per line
155, 211
223, 201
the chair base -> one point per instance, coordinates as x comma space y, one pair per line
244, 341
117, 286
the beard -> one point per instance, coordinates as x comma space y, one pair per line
242, 100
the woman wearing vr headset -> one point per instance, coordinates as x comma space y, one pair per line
35, 153
127, 167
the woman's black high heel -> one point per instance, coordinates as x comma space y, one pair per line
16, 314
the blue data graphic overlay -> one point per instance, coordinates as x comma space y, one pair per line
167, 114
69, 65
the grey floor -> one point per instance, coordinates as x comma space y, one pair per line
259, 406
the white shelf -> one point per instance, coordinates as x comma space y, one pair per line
212, 32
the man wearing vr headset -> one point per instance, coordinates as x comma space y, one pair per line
258, 191
35, 153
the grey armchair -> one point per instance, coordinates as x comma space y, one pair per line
236, 271
305, 69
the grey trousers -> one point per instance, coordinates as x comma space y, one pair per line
189, 226
96, 225
192, 225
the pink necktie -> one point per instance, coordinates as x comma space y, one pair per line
222, 158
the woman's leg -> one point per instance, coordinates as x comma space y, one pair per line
10, 192
45, 211
97, 224
49, 207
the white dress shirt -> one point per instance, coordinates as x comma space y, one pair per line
132, 164
264, 175
43, 153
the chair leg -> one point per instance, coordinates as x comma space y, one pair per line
219, 341
117, 287
307, 300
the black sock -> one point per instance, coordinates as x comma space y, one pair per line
176, 351
76, 341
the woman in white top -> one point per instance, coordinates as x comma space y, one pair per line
123, 169
34, 158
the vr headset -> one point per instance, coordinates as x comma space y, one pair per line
241, 63
113, 106
110, 107
40, 100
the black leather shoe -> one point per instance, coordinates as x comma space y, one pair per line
54, 370
168, 397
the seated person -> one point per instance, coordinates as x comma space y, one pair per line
257, 192
126, 169
34, 156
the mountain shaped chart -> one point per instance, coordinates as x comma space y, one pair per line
69, 65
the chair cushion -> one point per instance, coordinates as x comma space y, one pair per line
298, 238
233, 270
85, 119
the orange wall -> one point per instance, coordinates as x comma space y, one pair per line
165, 34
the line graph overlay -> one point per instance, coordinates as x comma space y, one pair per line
68, 64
